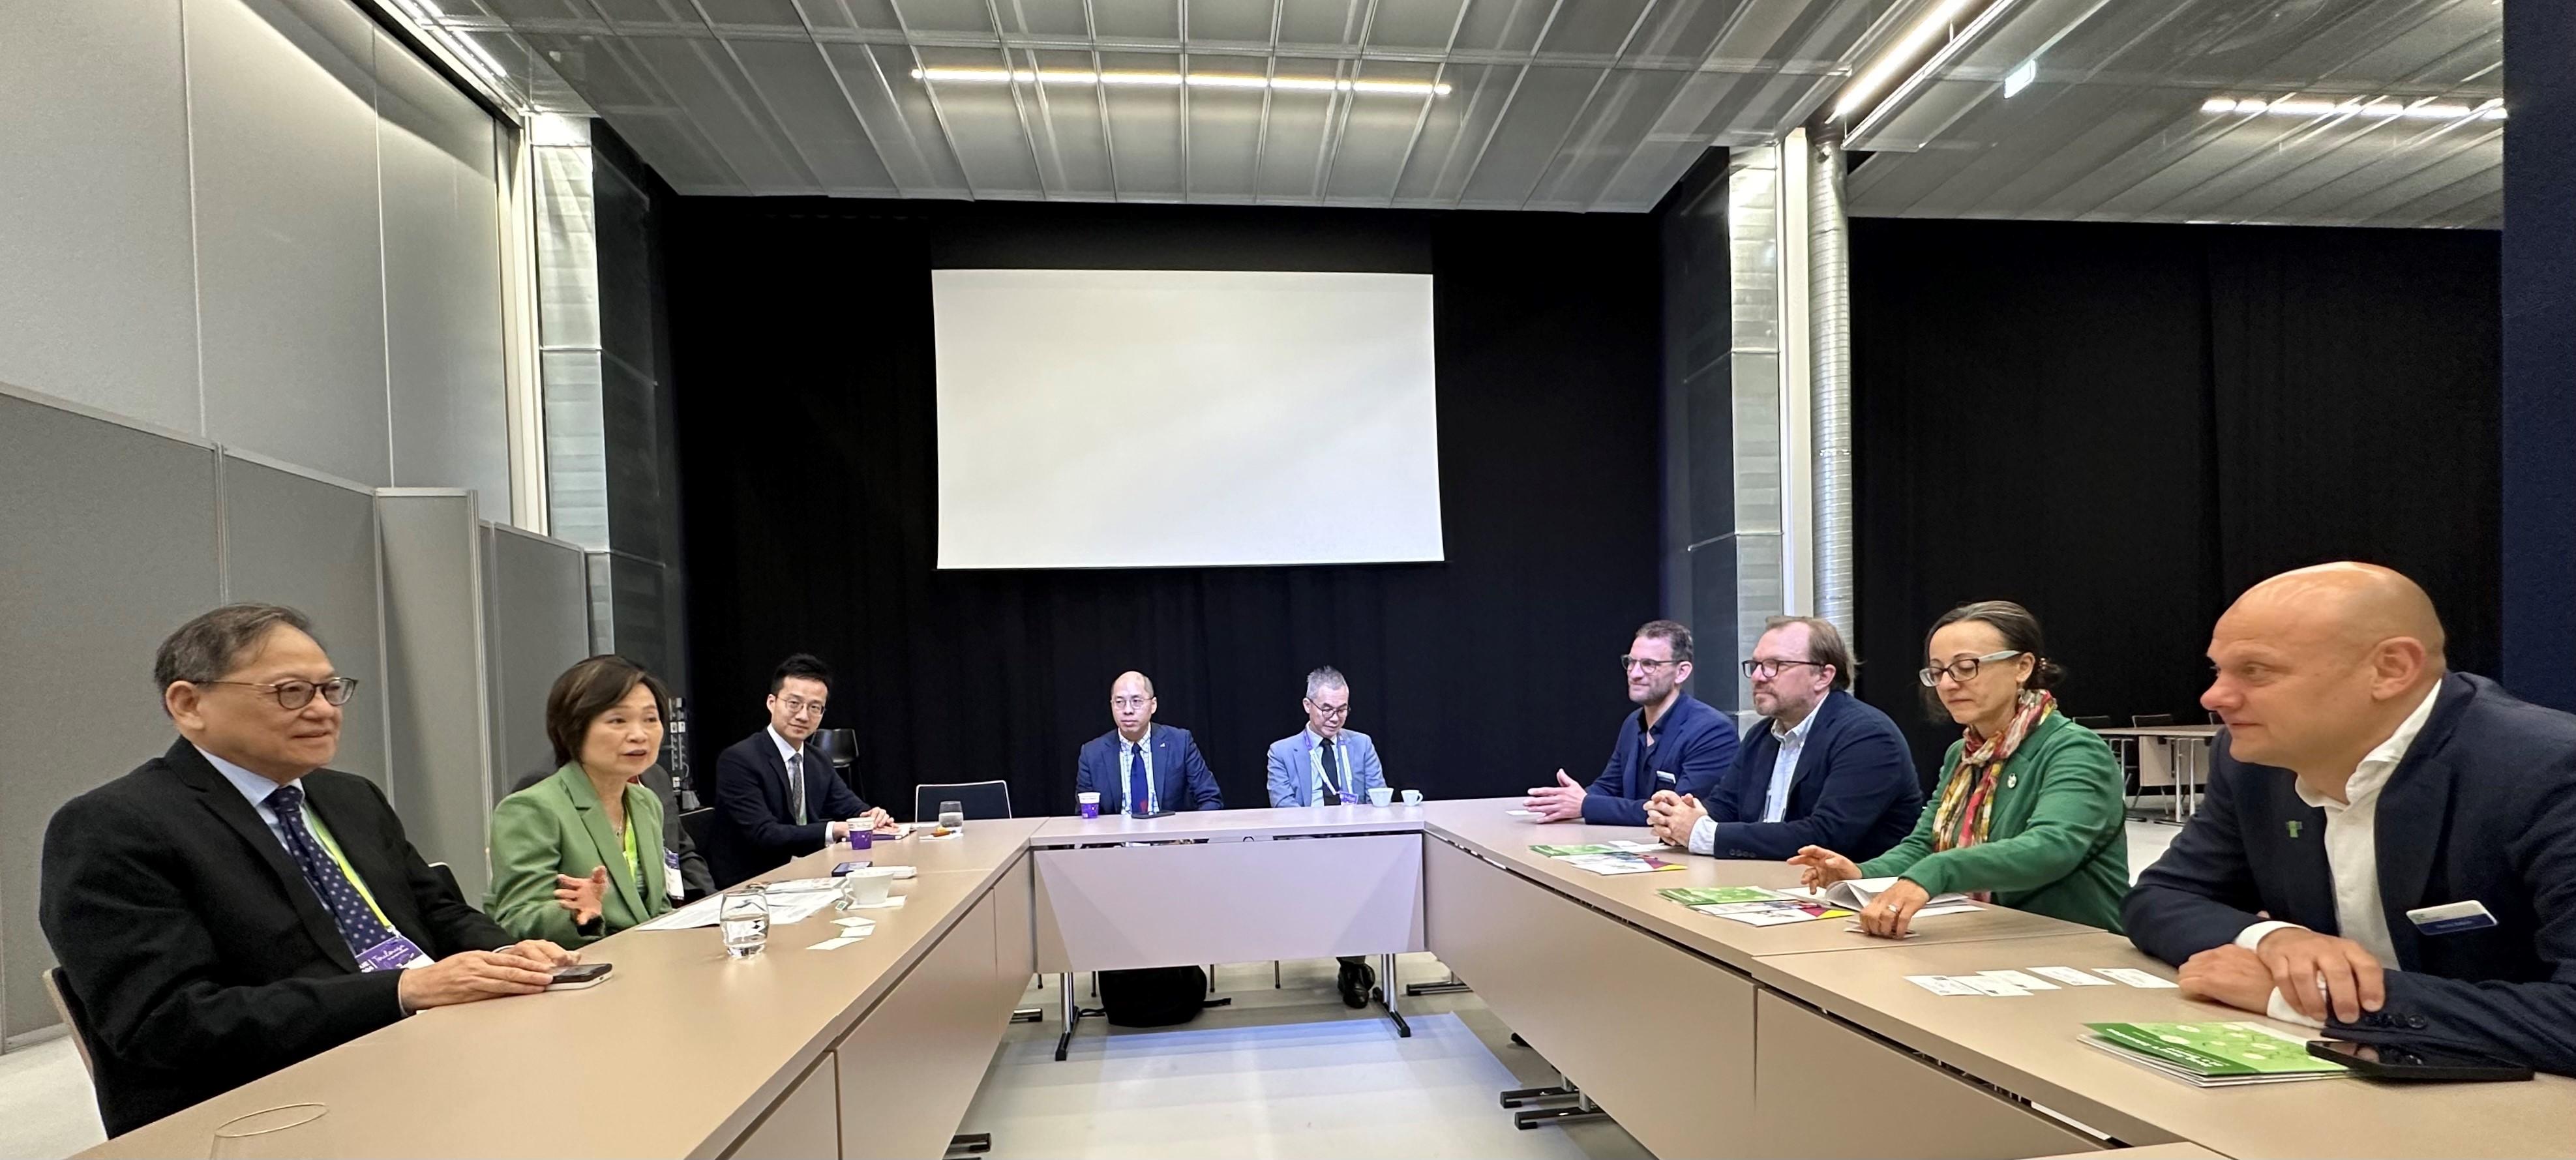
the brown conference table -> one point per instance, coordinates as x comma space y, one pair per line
1701, 1036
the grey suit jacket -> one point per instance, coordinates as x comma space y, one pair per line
1292, 770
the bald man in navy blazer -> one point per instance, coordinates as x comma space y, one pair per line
1174, 776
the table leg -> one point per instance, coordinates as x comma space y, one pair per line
1386, 990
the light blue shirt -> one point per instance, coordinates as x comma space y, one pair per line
257, 789
1775, 801
1142, 750
1784, 767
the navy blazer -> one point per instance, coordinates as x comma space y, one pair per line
1853, 792
2482, 809
1181, 777
1694, 748
755, 828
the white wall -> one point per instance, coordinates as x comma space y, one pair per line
262, 223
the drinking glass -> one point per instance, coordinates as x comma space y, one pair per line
289, 1130
952, 815
745, 915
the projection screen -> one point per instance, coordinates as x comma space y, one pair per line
1158, 418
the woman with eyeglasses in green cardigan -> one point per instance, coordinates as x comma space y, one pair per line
2029, 812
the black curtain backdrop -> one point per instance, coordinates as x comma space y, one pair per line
2124, 426
807, 437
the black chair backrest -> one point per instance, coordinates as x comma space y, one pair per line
700, 826
68, 1006
530, 779
838, 746
2092, 722
2144, 720
980, 799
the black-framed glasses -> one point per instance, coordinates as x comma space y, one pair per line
1329, 711
1765, 670
1649, 664
298, 694
796, 706
1964, 670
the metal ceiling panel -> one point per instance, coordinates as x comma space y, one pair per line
2113, 127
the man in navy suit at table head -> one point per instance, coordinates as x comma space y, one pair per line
2387, 849
1140, 767
1673, 741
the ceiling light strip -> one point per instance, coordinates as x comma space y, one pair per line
1173, 80
2386, 109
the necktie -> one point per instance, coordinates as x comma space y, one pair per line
796, 785
1331, 796
359, 926
1139, 796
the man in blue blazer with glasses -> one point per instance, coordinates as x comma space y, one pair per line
1673, 741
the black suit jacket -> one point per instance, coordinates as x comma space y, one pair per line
199, 953
2482, 809
756, 829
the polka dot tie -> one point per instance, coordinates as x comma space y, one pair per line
349, 911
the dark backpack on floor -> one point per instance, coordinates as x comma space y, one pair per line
1153, 996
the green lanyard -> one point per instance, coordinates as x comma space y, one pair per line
634, 861
322, 834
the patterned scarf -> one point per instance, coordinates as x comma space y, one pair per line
1967, 810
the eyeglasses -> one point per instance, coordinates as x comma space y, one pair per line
1765, 670
1331, 710
298, 694
1649, 664
1963, 671
797, 706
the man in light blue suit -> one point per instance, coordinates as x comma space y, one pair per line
1324, 763
1327, 764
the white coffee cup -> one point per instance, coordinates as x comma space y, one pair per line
868, 885
1413, 797
1380, 796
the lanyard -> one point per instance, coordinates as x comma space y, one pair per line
634, 861
1315, 757
322, 834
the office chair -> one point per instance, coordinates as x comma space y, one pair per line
2148, 720
68, 1006
980, 799
841, 748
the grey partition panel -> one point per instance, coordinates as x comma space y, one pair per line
435, 697
125, 524
302, 542
537, 604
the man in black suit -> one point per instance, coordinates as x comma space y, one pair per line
2386, 850
776, 798
231, 907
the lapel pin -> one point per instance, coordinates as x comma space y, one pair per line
2293, 827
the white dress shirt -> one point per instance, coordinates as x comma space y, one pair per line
1775, 801
2352, 853
1141, 749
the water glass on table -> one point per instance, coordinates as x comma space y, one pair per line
744, 913
952, 815
289, 1130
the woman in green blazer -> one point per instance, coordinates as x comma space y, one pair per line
578, 857
2029, 813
